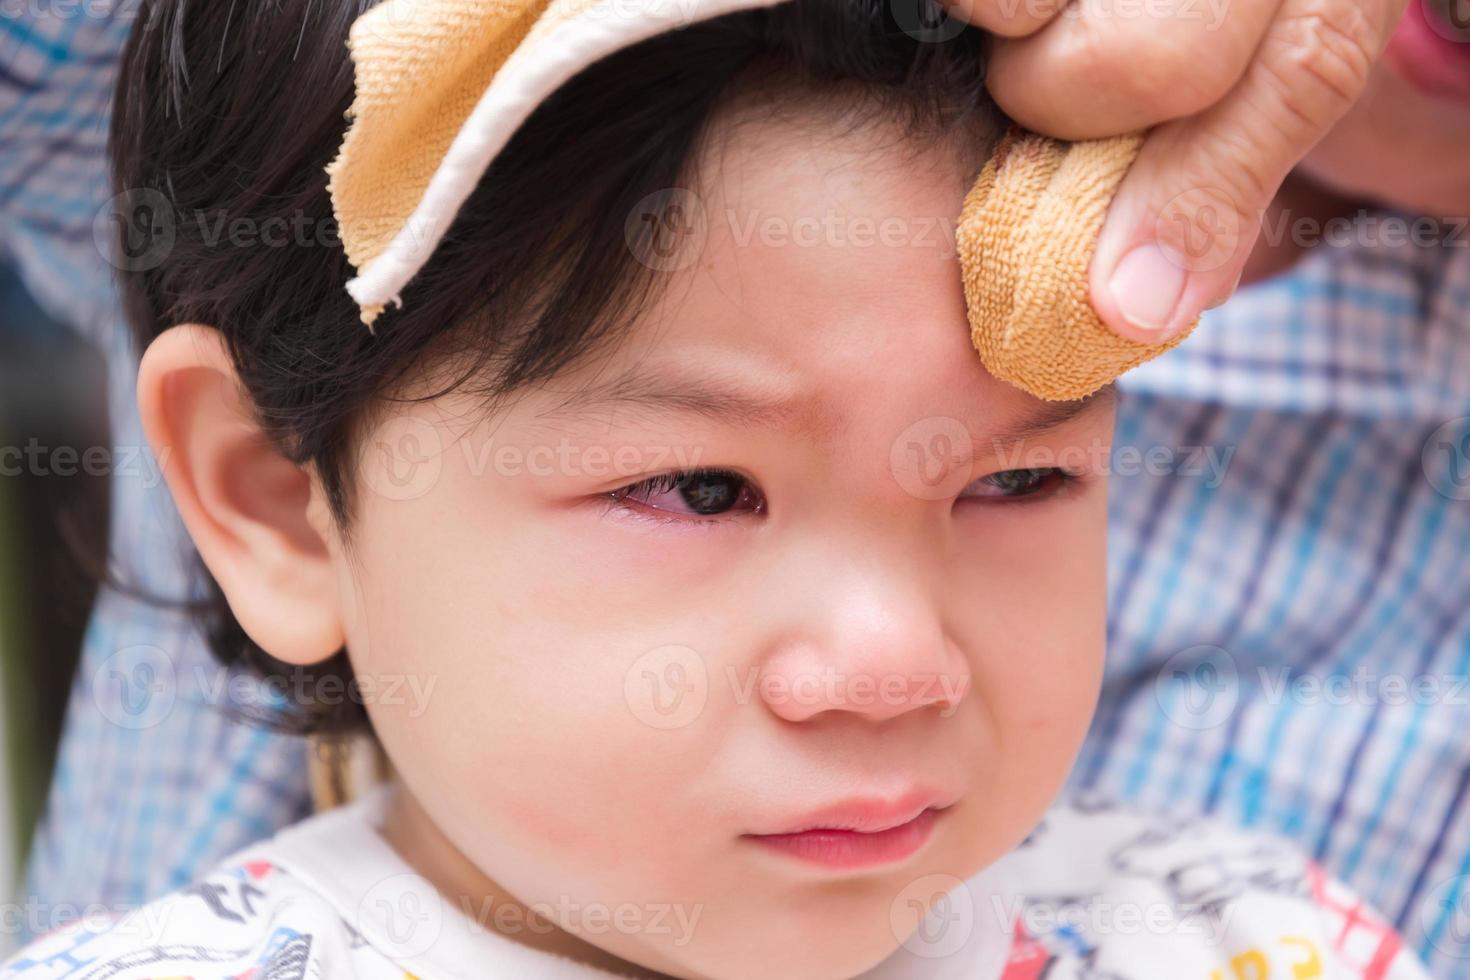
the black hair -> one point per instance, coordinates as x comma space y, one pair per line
232, 111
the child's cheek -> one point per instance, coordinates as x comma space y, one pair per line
540, 716
537, 728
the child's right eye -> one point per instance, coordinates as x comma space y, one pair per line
1021, 484
710, 492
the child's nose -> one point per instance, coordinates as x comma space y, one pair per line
878, 652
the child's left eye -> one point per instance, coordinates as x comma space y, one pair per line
1008, 484
692, 494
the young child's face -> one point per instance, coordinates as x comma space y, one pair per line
623, 695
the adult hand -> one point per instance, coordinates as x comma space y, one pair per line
1235, 93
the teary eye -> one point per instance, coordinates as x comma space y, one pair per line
693, 493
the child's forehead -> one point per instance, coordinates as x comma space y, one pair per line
847, 154
821, 270
819, 262
737, 384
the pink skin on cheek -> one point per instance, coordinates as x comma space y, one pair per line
551, 830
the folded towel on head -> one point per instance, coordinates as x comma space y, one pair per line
442, 85
1026, 234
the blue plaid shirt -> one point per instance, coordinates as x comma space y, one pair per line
1290, 642
1289, 548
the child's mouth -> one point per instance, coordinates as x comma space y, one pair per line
849, 849
859, 834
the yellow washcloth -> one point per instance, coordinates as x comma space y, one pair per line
1025, 237
442, 85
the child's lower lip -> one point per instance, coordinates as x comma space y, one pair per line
850, 849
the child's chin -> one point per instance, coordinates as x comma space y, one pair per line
838, 955
821, 935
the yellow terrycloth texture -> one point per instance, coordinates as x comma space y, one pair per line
1026, 234
420, 67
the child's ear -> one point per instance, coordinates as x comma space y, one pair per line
259, 520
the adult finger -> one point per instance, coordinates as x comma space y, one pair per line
1108, 67
1184, 219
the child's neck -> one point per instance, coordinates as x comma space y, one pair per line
418, 840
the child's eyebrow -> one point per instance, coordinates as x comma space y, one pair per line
742, 405
732, 403
1048, 416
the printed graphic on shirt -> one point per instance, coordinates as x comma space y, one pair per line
248, 921
1186, 898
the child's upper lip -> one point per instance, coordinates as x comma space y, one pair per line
863, 812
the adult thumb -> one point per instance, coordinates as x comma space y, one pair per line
1188, 212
